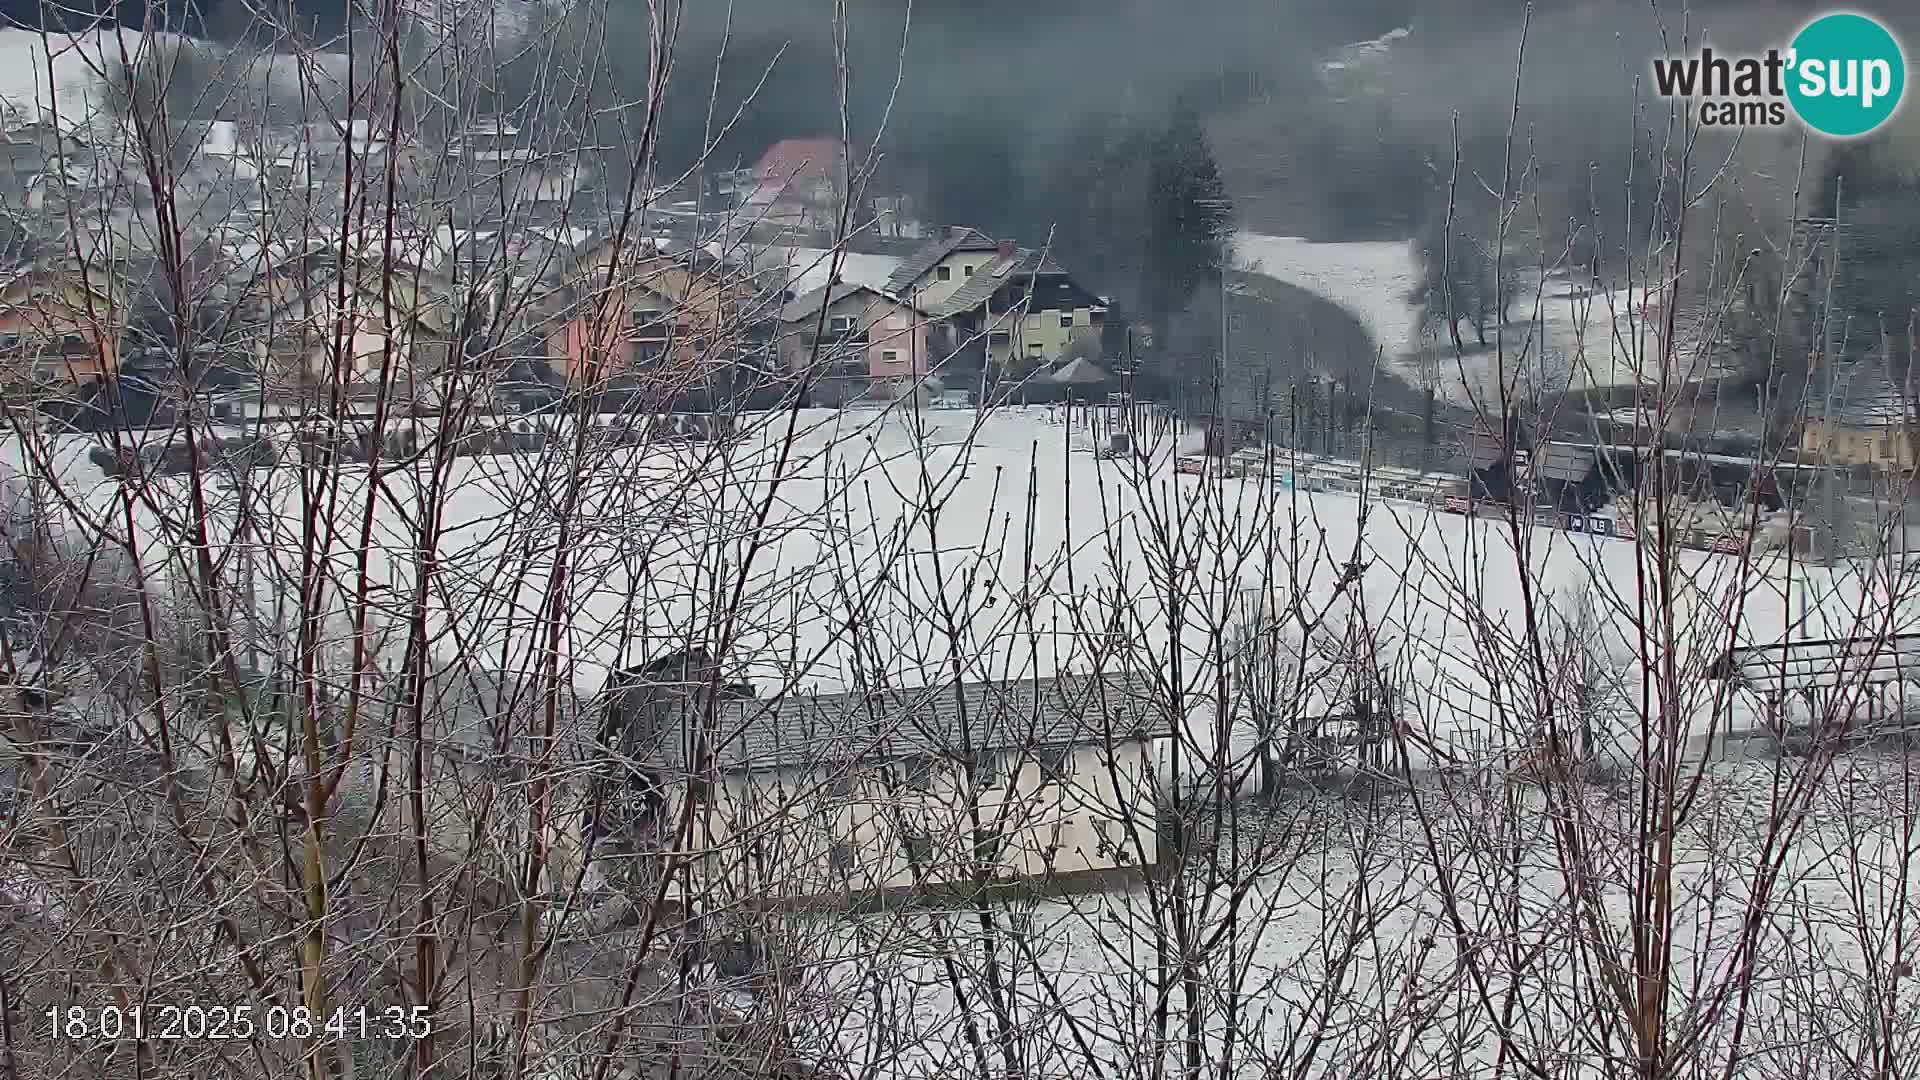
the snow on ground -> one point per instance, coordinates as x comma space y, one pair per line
1031, 540
812, 267
1561, 336
1094, 951
74, 81
1378, 281
1034, 542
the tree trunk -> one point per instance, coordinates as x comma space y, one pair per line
1453, 330
1269, 768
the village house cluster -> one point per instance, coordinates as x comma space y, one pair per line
285, 292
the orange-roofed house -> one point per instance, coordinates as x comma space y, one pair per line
800, 183
674, 316
59, 326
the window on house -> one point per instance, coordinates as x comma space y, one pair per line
986, 768
919, 772
987, 842
1056, 763
890, 356
945, 273
1034, 349
840, 324
999, 337
968, 270
919, 845
1066, 318
841, 782
650, 322
840, 856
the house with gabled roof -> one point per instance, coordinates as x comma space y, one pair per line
950, 786
61, 321
853, 339
1865, 420
995, 303
677, 314
314, 315
800, 183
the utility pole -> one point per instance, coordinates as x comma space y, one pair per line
1220, 373
1822, 237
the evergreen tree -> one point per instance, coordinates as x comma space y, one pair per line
1100, 206
1189, 217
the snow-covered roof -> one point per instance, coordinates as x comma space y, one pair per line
986, 716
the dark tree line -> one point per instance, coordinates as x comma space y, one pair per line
1876, 264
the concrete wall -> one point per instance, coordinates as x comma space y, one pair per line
795, 833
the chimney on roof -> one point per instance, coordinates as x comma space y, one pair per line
1006, 249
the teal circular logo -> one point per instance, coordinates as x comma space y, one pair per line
1846, 75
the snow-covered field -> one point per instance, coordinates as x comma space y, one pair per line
1562, 336
1034, 543
1087, 964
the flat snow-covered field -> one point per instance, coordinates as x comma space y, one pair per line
1003, 539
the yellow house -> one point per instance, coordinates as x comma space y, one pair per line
1003, 302
314, 315
1878, 443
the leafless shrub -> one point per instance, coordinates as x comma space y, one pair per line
874, 744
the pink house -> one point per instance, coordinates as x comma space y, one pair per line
863, 333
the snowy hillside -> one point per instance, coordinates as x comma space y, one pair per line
1560, 335
73, 83
1377, 281
70, 84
